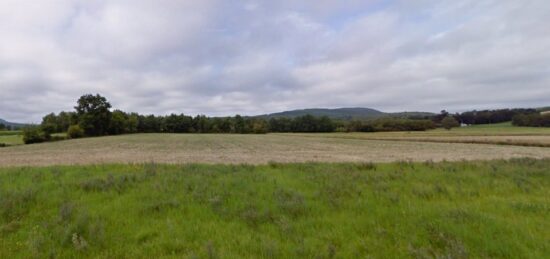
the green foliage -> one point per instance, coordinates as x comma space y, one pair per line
75, 131
449, 122
532, 120
494, 209
260, 126
49, 128
389, 124
119, 123
491, 116
60, 122
306, 123
95, 118
93, 113
35, 134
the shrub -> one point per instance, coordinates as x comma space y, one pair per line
449, 122
48, 128
34, 135
75, 131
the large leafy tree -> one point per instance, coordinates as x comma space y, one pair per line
94, 116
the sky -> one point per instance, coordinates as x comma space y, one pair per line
219, 57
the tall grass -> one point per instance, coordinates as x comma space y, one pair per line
496, 209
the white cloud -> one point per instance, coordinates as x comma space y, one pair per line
221, 58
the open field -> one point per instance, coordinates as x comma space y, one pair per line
11, 139
14, 138
251, 149
495, 209
497, 134
9, 132
513, 140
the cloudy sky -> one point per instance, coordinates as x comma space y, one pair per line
219, 57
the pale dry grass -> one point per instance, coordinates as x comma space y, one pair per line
516, 140
251, 149
495, 134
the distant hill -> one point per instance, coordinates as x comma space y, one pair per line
13, 124
345, 113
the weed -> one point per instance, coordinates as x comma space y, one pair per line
368, 166
119, 184
66, 211
150, 169
254, 217
146, 236
10, 227
79, 242
16, 204
211, 250
161, 206
445, 245
290, 202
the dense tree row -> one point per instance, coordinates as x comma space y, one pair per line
93, 117
532, 120
491, 116
306, 123
119, 122
389, 124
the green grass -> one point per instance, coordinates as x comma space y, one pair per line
495, 209
493, 134
9, 133
497, 129
11, 140
504, 128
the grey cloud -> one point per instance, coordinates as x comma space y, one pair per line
219, 58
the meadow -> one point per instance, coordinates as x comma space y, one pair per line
491, 209
10, 138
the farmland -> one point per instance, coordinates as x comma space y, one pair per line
11, 138
435, 194
495, 209
249, 149
497, 134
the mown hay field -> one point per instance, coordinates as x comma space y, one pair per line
493, 209
495, 134
250, 149
513, 140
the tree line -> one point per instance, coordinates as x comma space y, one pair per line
491, 116
93, 117
531, 120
